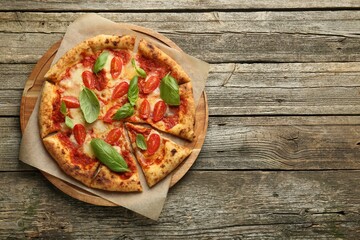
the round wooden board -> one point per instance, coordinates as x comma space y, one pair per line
32, 91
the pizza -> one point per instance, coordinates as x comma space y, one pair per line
105, 106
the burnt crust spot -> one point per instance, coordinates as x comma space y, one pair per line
173, 151
107, 41
115, 43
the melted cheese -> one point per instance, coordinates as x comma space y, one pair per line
74, 84
77, 116
87, 147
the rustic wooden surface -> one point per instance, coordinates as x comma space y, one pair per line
281, 159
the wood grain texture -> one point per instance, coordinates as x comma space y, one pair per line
249, 89
271, 205
250, 143
299, 36
341, 23
108, 5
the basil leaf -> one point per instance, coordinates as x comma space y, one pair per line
63, 108
141, 142
169, 90
100, 61
89, 105
125, 111
133, 92
68, 122
108, 155
141, 72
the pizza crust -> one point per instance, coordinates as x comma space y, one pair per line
48, 97
111, 181
173, 155
149, 50
62, 155
90, 46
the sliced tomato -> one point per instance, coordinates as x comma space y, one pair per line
120, 90
110, 113
116, 67
71, 102
159, 110
101, 81
153, 143
144, 109
113, 136
88, 79
151, 84
79, 133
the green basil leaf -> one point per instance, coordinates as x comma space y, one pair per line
141, 142
141, 72
68, 122
89, 105
100, 61
63, 108
108, 156
169, 90
133, 92
125, 111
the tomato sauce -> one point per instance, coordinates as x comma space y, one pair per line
123, 54
57, 116
77, 157
151, 65
131, 166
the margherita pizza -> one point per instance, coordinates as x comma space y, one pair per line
99, 87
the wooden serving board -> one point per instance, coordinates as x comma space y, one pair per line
32, 91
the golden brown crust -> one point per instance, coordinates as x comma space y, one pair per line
48, 97
111, 181
90, 46
173, 155
149, 50
62, 155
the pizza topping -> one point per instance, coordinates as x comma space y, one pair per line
169, 90
153, 143
133, 92
89, 105
151, 84
68, 122
71, 102
113, 136
100, 62
79, 133
108, 118
159, 111
101, 81
124, 112
120, 90
140, 142
116, 67
108, 155
88, 79
144, 109
123, 54
63, 108
138, 70
88, 61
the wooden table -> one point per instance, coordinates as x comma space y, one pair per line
281, 158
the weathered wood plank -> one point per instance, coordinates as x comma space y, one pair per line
220, 46
233, 143
73, 5
246, 205
248, 89
344, 23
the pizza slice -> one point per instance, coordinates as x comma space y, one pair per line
74, 154
157, 156
165, 93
